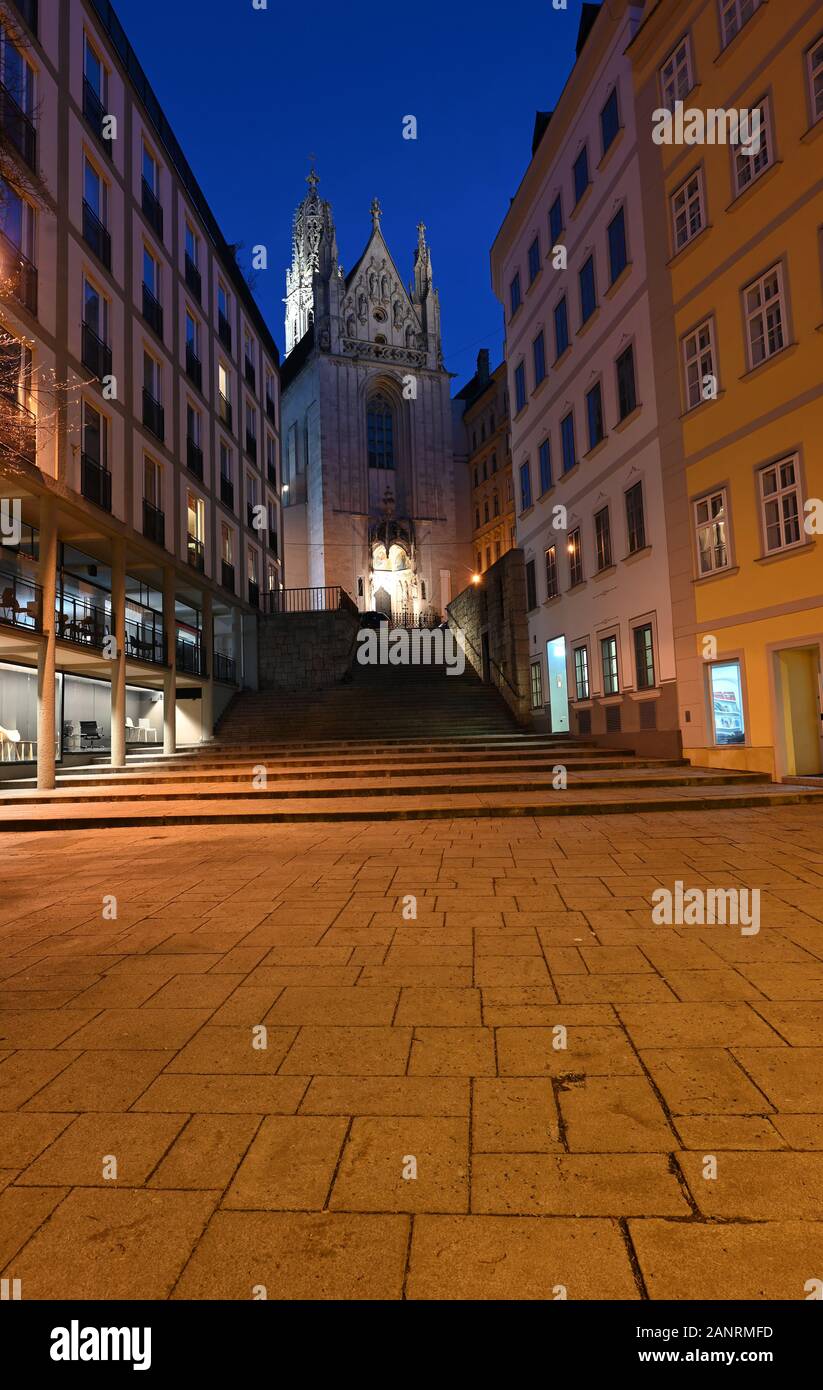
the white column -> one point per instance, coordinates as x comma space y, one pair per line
170, 674
118, 665
47, 657
207, 647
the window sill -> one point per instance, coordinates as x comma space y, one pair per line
581, 584
637, 554
607, 154
559, 360
604, 573
741, 198
616, 284
581, 202
541, 386
688, 245
813, 132
596, 449
725, 573
527, 511
533, 282
694, 409
550, 602
589, 322
778, 356
567, 472
611, 699
801, 548
642, 696
587, 703
628, 419
745, 29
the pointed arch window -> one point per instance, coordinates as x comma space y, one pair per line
380, 433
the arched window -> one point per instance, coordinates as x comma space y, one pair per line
380, 433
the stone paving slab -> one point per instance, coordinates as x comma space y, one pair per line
447, 1059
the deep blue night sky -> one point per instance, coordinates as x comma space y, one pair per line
251, 94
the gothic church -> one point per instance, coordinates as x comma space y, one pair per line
371, 500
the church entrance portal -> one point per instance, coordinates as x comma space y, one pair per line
393, 584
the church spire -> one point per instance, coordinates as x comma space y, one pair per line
314, 260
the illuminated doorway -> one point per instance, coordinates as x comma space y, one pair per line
558, 687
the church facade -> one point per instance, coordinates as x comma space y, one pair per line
372, 500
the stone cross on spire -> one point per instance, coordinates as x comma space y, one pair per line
376, 213
312, 179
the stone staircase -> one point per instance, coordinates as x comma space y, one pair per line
391, 744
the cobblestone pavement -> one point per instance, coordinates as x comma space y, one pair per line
414, 981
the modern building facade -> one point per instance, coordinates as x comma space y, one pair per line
736, 277
569, 266
139, 443
486, 446
372, 500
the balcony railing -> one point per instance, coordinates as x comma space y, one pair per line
251, 445
152, 311
228, 577
18, 128
145, 639
194, 367
196, 552
271, 409
227, 492
194, 457
194, 279
328, 599
154, 523
272, 542
271, 474
152, 208
224, 330
95, 483
225, 668
254, 593
96, 354
154, 416
18, 273
190, 658
250, 519
95, 114
96, 236
18, 429
28, 9
81, 622
251, 374
21, 602
224, 410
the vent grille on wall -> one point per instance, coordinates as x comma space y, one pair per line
584, 721
648, 714
613, 725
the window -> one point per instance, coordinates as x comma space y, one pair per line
580, 171
763, 303
561, 327
18, 220
95, 311
751, 160
93, 70
556, 220
226, 544
95, 193
152, 377
603, 539
226, 469
380, 420
153, 483
192, 246
271, 460
525, 487
486, 512
608, 661
478, 562
151, 273
609, 120
534, 260
488, 556
552, 588
568, 442
644, 657
531, 586
626, 389
698, 362
95, 431
537, 685
151, 171
635, 519
581, 672
224, 383
196, 510
545, 457
815, 58
676, 75
781, 506
575, 558
539, 355
496, 505
16, 369
594, 414
618, 255
514, 293
588, 291
726, 693
520, 386
710, 532
253, 566
194, 423
687, 210
192, 334
733, 15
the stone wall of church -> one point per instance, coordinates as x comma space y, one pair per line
495, 610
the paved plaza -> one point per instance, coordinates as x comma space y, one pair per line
423, 1060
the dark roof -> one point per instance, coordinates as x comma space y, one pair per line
588, 15
476, 388
297, 359
541, 125
143, 90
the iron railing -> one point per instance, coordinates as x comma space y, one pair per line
28, 9
152, 311
154, 523
152, 208
19, 274
194, 457
194, 367
81, 622
225, 668
224, 330
320, 599
18, 128
95, 114
96, 235
227, 492
21, 602
228, 577
154, 416
196, 552
250, 374
224, 410
95, 482
96, 354
194, 279
254, 593
190, 658
146, 640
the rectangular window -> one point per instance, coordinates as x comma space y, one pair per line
711, 532
525, 487
153, 483
765, 316
545, 467
192, 246
152, 378
618, 255
781, 505
581, 672
751, 162
561, 327
815, 60
688, 216
609, 120
151, 273
594, 414
194, 429
226, 544
726, 693
151, 171
192, 334
676, 75
196, 510
644, 656
626, 389
575, 558
95, 311
699, 364
531, 586
608, 661
537, 685
603, 538
588, 291
567, 438
635, 519
581, 174
733, 15
552, 589
539, 354
95, 429
556, 220
93, 70
226, 470
534, 260
95, 193
520, 386
514, 294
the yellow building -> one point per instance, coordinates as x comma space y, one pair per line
735, 238
488, 446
